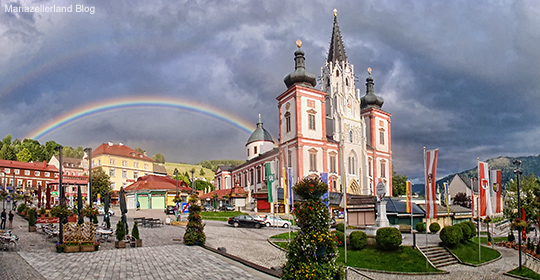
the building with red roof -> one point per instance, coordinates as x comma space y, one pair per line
26, 177
155, 192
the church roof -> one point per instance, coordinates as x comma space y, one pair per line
370, 100
300, 76
337, 48
260, 134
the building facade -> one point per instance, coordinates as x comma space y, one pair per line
123, 164
26, 177
331, 132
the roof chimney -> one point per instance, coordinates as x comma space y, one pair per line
110, 143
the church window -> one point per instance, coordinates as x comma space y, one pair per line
255, 150
337, 73
352, 165
251, 177
289, 159
369, 168
245, 179
248, 152
258, 174
350, 136
288, 122
383, 169
347, 82
313, 162
311, 121
381, 137
332, 164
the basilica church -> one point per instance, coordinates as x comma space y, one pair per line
333, 133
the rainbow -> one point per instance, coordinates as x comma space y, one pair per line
140, 102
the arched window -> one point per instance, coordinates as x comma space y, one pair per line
350, 136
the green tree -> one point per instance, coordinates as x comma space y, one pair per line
24, 155
101, 183
49, 150
35, 149
398, 183
7, 140
201, 172
530, 198
140, 150
7, 153
159, 158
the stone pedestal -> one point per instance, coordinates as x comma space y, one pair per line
382, 220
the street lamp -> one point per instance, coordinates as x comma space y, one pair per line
61, 193
88, 151
176, 174
518, 172
192, 181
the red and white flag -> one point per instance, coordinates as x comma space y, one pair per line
485, 193
430, 162
496, 182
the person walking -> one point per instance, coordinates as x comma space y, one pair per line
10, 217
3, 224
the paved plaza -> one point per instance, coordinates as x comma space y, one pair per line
163, 256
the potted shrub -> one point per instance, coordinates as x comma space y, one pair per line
135, 235
96, 245
120, 235
42, 212
59, 247
31, 219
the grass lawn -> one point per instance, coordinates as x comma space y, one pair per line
284, 235
405, 259
525, 272
220, 215
468, 252
484, 239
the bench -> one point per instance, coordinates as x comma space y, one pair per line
139, 221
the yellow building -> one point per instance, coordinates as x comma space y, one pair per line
122, 163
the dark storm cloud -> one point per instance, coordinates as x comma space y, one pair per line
460, 76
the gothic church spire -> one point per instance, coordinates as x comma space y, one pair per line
337, 49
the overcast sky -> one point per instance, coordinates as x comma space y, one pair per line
460, 76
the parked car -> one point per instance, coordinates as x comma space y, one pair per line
101, 211
244, 220
208, 207
276, 221
333, 223
257, 217
169, 209
226, 207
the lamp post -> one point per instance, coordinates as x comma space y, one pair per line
60, 194
176, 174
88, 151
192, 181
518, 172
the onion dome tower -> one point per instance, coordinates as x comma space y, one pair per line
371, 100
300, 76
259, 142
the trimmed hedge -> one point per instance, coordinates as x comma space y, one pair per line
451, 235
340, 227
388, 238
434, 227
472, 226
358, 240
466, 232
421, 227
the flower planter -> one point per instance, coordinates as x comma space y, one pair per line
120, 244
88, 248
139, 242
31, 228
59, 249
72, 249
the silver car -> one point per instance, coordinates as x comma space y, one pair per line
276, 221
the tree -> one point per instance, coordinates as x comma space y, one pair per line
530, 196
7, 153
140, 150
159, 158
398, 183
313, 252
462, 199
201, 172
100, 183
24, 155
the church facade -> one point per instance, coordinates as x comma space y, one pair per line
331, 132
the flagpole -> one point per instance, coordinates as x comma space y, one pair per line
426, 193
478, 209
